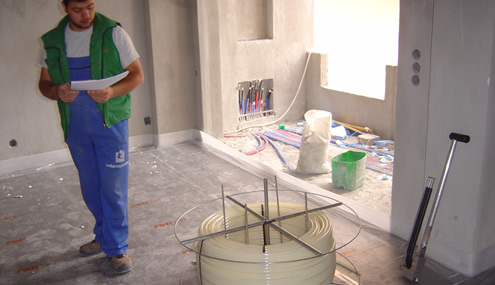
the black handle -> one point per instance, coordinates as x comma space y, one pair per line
459, 137
418, 222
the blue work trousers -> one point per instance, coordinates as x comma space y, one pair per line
101, 156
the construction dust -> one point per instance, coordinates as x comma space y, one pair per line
283, 155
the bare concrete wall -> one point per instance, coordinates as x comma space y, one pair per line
24, 113
227, 59
27, 116
379, 115
172, 66
131, 15
455, 94
209, 64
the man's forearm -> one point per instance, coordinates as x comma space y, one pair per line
48, 89
128, 84
133, 80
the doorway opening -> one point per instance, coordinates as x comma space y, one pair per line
360, 39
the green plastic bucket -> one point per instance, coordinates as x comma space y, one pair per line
348, 170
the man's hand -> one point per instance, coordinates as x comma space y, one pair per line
65, 94
54, 92
101, 96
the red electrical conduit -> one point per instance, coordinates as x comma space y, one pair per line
265, 144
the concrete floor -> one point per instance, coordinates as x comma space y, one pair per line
43, 222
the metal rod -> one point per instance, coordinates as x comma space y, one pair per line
264, 228
241, 205
240, 228
442, 184
426, 236
262, 222
306, 211
246, 223
296, 239
267, 212
433, 213
199, 263
309, 211
278, 208
224, 216
286, 216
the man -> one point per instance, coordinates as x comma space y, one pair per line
87, 45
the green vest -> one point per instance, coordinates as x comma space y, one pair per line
105, 62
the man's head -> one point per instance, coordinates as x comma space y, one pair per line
81, 13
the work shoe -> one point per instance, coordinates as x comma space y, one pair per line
122, 263
91, 248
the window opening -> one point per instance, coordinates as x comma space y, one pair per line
361, 38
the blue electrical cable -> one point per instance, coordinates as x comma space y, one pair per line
285, 139
281, 140
277, 150
294, 131
285, 136
354, 145
261, 146
260, 142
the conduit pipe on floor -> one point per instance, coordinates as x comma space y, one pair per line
285, 137
262, 144
354, 145
277, 150
289, 134
283, 140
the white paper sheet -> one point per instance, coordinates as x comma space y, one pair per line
97, 84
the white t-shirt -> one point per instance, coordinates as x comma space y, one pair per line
77, 45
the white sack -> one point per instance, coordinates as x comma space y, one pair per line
313, 154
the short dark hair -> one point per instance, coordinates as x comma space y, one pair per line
66, 2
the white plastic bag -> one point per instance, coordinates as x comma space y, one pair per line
313, 154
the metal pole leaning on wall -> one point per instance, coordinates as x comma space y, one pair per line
419, 221
411, 269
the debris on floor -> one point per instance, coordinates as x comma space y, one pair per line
279, 146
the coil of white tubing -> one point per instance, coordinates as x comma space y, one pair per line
230, 260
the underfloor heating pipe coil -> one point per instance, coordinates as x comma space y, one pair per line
241, 259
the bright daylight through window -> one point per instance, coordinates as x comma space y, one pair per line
361, 39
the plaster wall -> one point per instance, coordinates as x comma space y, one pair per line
280, 58
209, 66
377, 114
456, 40
486, 242
131, 15
27, 116
172, 66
